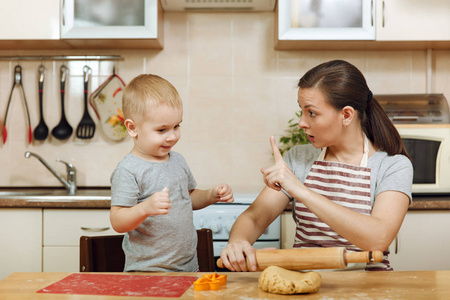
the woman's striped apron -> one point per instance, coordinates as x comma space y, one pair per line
344, 184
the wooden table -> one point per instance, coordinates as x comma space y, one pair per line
335, 285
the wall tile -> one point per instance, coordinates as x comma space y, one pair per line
253, 45
248, 159
210, 163
210, 44
442, 73
173, 60
296, 63
210, 109
418, 75
254, 106
389, 72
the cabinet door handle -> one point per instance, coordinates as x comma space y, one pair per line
396, 244
384, 14
64, 12
371, 13
95, 229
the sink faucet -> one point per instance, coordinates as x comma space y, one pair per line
71, 183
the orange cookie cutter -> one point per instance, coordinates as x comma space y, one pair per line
209, 282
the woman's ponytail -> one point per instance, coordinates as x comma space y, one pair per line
381, 131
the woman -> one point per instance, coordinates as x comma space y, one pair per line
351, 186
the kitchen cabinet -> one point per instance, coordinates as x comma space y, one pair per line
86, 19
56, 24
29, 20
421, 245
413, 20
383, 25
423, 242
61, 238
327, 20
115, 24
21, 240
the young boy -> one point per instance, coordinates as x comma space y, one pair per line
152, 189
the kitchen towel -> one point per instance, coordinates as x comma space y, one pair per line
107, 103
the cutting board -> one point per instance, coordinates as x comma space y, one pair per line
121, 285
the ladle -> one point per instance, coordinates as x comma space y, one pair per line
41, 131
63, 130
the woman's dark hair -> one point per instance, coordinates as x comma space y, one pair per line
344, 85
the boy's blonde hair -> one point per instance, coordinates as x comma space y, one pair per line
145, 91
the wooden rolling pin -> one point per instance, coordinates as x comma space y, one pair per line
311, 258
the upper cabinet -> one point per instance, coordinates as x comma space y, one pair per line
87, 24
109, 19
413, 20
29, 20
362, 24
112, 23
326, 20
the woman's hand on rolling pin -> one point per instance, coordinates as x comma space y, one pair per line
236, 255
279, 175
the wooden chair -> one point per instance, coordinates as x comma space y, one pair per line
105, 254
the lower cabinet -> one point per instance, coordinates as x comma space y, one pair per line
62, 230
20, 240
36, 239
423, 242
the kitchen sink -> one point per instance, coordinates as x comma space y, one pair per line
57, 195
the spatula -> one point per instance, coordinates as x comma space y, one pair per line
86, 127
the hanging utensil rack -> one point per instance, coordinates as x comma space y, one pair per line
64, 57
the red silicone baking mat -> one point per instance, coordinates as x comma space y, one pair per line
121, 285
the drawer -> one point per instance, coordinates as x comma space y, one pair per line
63, 227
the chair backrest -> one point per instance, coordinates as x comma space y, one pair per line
105, 254
101, 253
205, 250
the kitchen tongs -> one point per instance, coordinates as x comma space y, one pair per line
18, 83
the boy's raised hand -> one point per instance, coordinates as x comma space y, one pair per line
158, 203
223, 193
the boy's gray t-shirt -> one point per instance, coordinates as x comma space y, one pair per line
166, 243
387, 173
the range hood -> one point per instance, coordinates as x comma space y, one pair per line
218, 5
415, 108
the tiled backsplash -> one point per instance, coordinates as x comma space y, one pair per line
237, 91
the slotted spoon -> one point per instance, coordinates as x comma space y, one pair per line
86, 127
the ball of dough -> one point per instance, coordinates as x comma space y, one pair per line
277, 280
